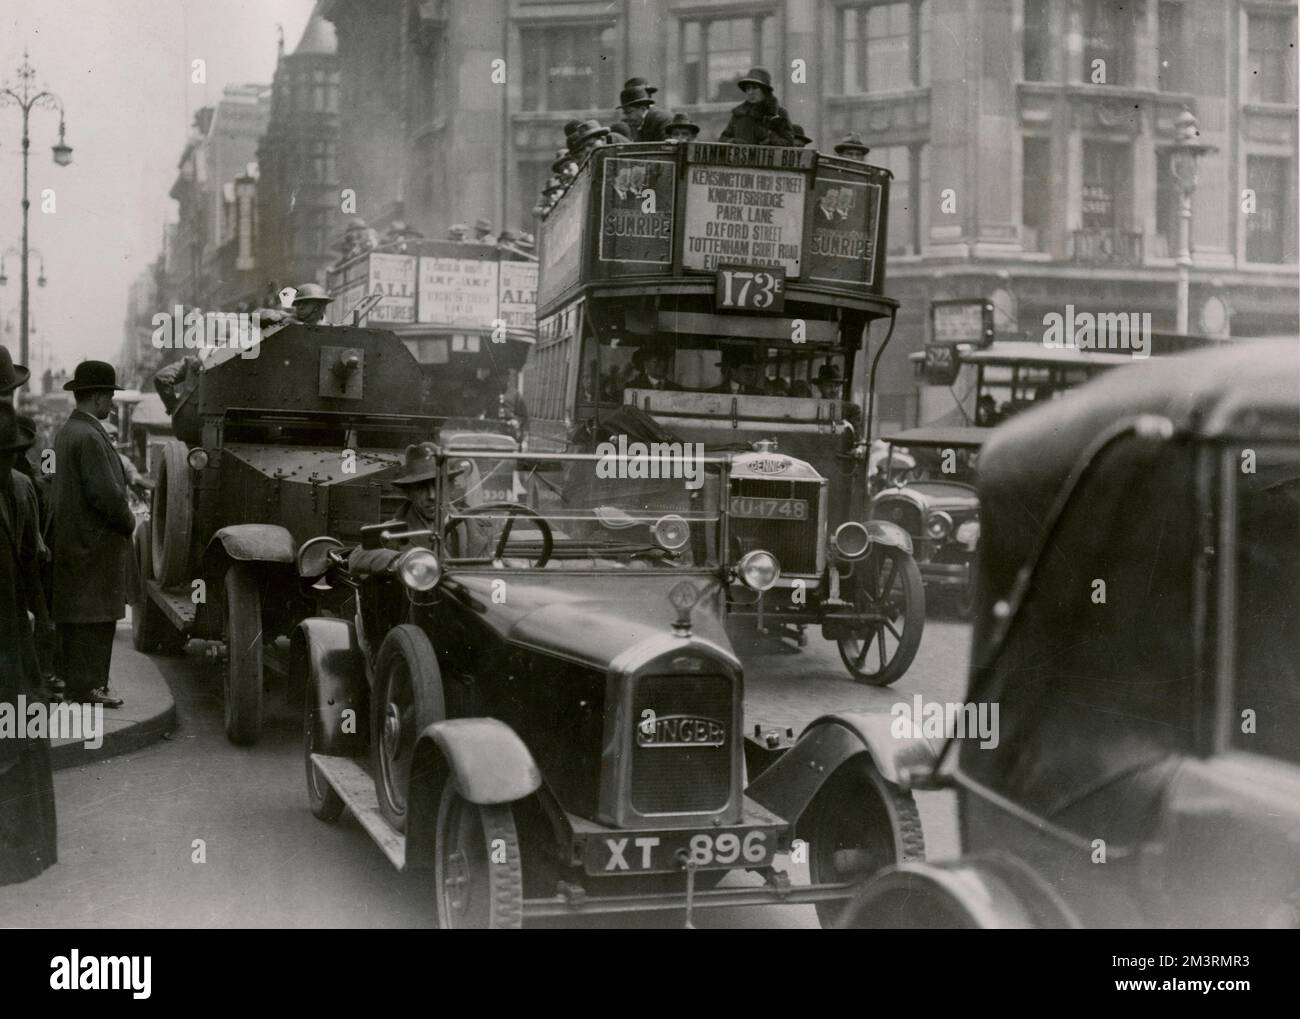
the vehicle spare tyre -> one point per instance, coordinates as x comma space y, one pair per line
171, 516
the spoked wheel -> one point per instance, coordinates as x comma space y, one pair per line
407, 698
857, 824
243, 655
477, 869
886, 584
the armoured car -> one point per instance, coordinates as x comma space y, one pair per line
934, 501
539, 703
1137, 591
269, 451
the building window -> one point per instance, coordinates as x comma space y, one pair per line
324, 161
1168, 206
324, 91
1171, 69
910, 168
1270, 63
718, 51
1107, 207
569, 68
1108, 29
884, 47
1268, 238
1037, 41
1036, 193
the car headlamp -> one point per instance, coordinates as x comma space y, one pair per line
938, 525
758, 570
419, 569
850, 541
313, 556
968, 533
197, 458
672, 532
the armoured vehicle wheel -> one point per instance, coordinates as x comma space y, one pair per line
171, 515
857, 824
887, 582
243, 655
150, 630
407, 697
325, 803
478, 874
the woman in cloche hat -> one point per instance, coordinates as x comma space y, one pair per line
759, 120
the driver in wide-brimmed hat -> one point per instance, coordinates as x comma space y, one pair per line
417, 480
760, 119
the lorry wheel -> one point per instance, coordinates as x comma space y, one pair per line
478, 874
857, 824
407, 697
150, 629
243, 655
887, 582
172, 516
325, 803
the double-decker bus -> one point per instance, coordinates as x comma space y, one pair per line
722, 294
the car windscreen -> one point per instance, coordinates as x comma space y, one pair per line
654, 509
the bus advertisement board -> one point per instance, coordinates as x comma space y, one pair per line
743, 216
458, 292
843, 228
636, 212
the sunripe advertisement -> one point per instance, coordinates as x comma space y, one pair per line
843, 229
743, 216
636, 211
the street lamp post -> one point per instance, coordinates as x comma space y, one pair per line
1187, 153
23, 96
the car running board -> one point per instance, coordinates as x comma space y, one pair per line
357, 789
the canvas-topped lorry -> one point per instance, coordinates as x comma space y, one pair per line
269, 451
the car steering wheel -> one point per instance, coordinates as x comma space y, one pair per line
511, 510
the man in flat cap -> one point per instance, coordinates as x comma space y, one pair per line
92, 537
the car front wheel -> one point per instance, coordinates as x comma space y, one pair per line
478, 874
886, 585
407, 698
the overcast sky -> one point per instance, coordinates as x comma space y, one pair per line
122, 69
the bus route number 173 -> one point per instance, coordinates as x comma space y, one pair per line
750, 289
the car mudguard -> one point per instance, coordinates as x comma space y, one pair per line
997, 892
266, 543
791, 783
885, 532
324, 653
484, 757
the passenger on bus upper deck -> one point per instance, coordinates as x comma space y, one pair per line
851, 146
759, 120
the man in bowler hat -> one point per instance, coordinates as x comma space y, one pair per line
92, 526
641, 121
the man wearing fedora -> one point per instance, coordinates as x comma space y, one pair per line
28, 843
739, 375
641, 121
92, 537
681, 129
851, 146
801, 139
12, 376
586, 136
417, 481
759, 120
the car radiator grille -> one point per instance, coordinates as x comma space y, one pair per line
903, 513
794, 542
682, 779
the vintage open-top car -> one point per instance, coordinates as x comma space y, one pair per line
1137, 596
552, 711
934, 501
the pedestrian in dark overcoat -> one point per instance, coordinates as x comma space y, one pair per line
760, 119
28, 842
92, 537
